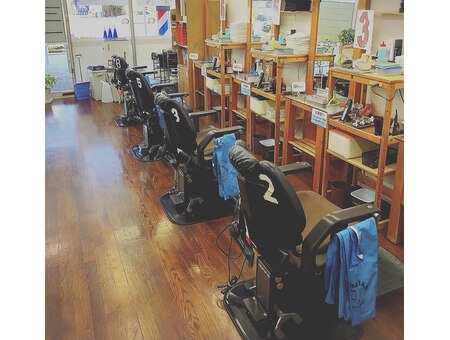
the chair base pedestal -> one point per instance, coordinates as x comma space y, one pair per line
126, 121
320, 325
206, 212
144, 153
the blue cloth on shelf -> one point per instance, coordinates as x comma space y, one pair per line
351, 272
223, 170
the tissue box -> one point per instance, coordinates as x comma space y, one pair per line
270, 112
211, 82
348, 146
259, 106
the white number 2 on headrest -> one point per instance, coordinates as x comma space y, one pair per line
268, 194
175, 113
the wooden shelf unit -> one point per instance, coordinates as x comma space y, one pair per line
357, 90
224, 52
312, 142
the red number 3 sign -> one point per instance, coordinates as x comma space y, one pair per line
364, 30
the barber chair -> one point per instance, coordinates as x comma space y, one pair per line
131, 115
151, 149
290, 231
195, 196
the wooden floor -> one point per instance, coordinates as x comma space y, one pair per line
116, 268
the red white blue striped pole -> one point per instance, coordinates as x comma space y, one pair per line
163, 22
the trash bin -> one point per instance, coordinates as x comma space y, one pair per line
96, 78
340, 194
256, 145
363, 196
267, 146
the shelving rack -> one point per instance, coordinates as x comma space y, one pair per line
358, 88
312, 141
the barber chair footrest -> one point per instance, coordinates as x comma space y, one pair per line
205, 212
124, 121
146, 154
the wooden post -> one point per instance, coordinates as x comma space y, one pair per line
394, 233
207, 92
289, 129
233, 102
312, 47
384, 144
276, 152
318, 160
325, 161
222, 86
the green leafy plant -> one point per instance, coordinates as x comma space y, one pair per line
50, 81
347, 36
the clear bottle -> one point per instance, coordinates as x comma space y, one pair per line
382, 53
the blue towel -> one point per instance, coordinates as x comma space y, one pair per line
223, 170
352, 270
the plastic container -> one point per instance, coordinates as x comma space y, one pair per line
82, 91
348, 146
362, 196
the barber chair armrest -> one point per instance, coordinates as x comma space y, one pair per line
159, 87
178, 95
198, 114
332, 223
137, 68
295, 168
148, 72
215, 134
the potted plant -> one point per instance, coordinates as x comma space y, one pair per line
50, 82
346, 38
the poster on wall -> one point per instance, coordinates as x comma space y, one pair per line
223, 10
364, 30
276, 12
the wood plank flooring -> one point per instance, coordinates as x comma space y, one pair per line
116, 268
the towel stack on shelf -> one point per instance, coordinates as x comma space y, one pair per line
238, 31
299, 42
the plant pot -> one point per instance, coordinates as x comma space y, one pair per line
48, 96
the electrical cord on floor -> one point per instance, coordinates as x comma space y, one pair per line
232, 279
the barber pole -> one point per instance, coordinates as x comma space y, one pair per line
163, 22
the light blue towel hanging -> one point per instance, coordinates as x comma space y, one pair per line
223, 170
352, 270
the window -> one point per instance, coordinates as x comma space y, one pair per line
89, 21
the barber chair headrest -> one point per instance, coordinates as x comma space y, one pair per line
142, 91
274, 215
120, 66
180, 128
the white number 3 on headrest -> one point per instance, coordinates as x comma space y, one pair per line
175, 113
268, 194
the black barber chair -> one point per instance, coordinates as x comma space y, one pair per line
151, 149
290, 231
194, 197
131, 115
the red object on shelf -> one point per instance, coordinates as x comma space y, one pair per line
182, 34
